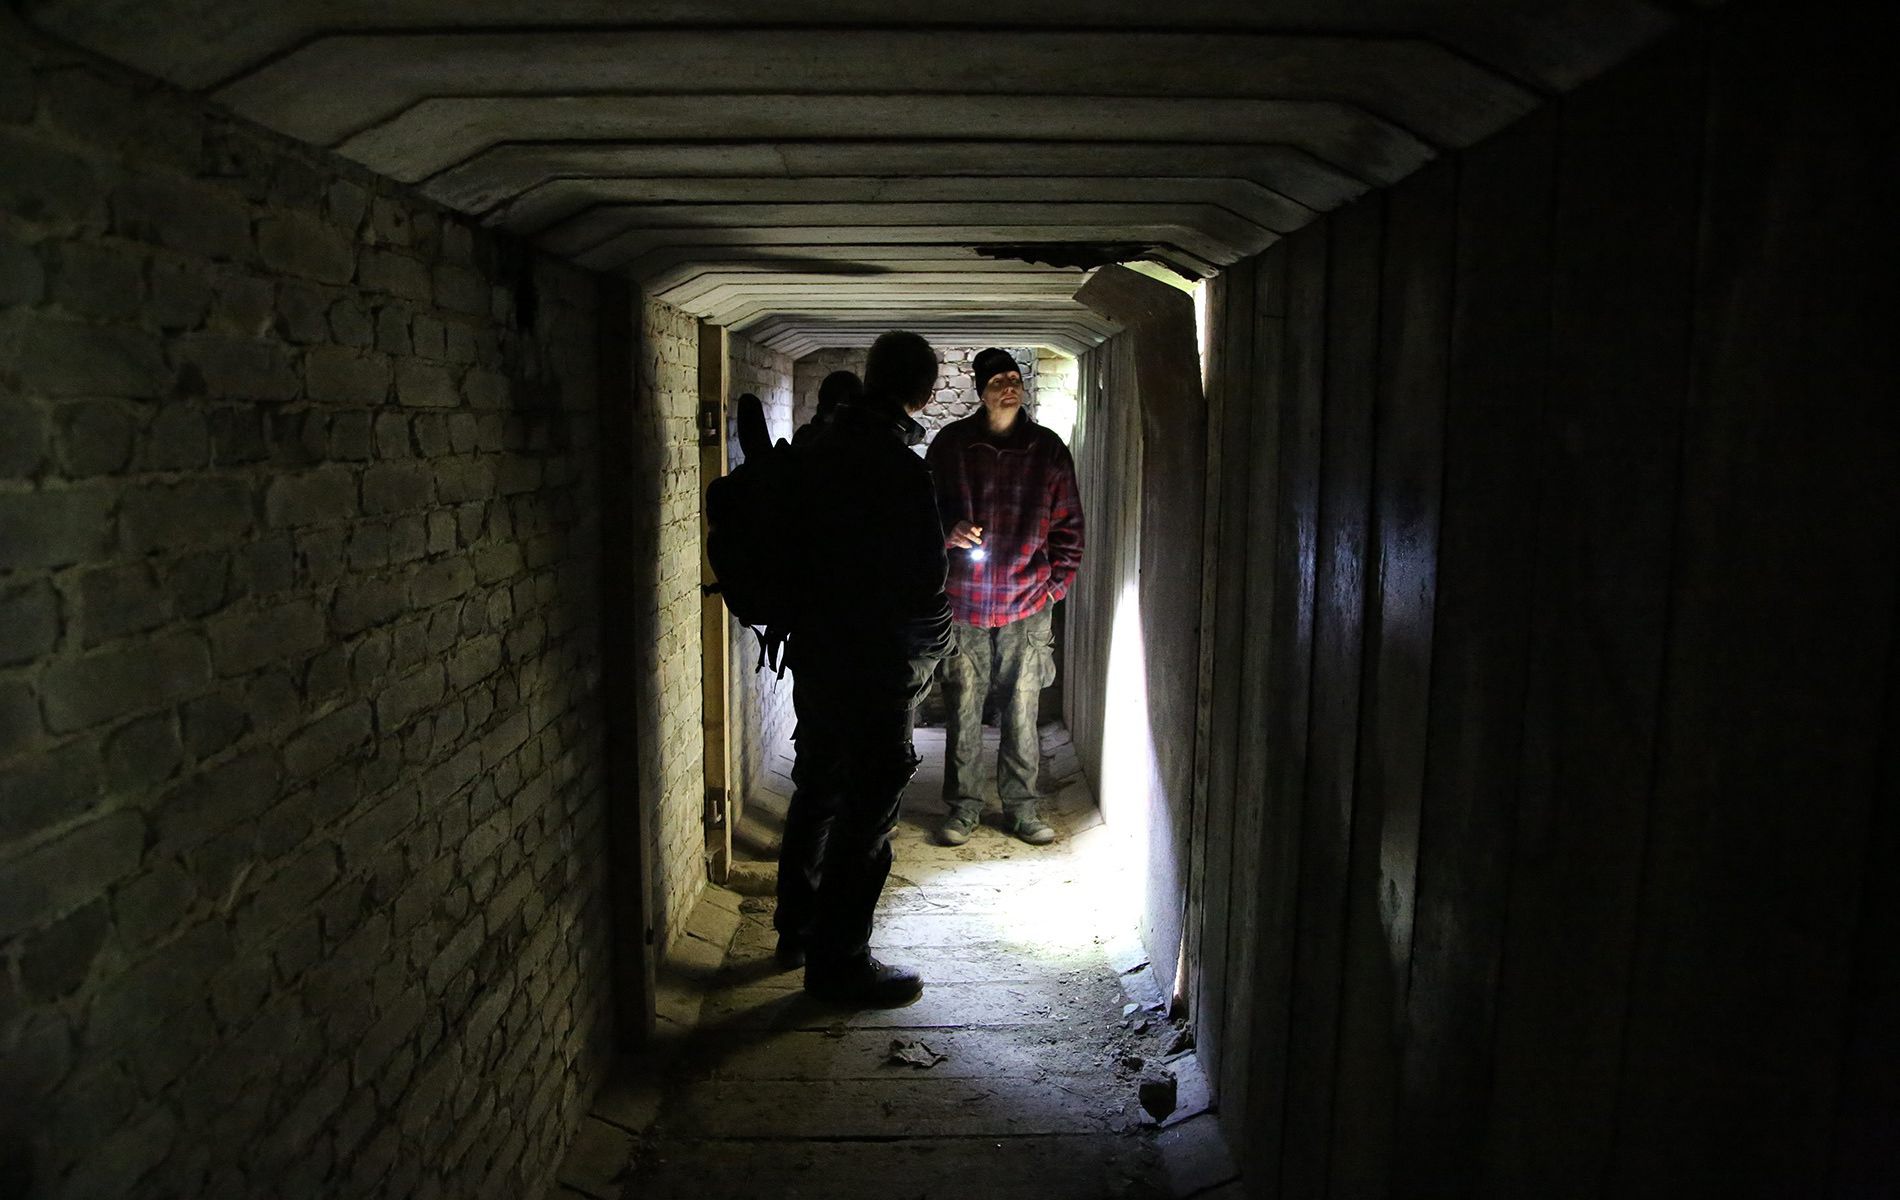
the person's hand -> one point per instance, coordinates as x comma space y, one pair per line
964, 537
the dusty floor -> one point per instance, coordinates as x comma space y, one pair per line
1037, 997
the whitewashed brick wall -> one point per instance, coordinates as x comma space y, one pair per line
1058, 385
672, 744
301, 813
761, 702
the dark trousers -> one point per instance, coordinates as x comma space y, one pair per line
853, 760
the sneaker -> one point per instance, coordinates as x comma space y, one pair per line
1032, 829
957, 828
867, 983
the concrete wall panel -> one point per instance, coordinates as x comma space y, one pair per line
1610, 835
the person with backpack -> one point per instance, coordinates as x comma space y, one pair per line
801, 846
873, 621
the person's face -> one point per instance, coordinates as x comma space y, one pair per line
1003, 392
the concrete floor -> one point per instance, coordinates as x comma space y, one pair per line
1037, 996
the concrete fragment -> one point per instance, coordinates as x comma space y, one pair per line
1157, 1094
1195, 1157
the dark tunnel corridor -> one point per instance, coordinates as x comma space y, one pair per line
1471, 763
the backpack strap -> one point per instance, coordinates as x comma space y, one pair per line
772, 640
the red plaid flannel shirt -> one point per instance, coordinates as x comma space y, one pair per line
1021, 490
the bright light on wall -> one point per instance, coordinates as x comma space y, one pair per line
1058, 387
1103, 895
1201, 325
1128, 751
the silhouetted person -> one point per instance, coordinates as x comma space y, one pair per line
1007, 495
801, 846
876, 619
839, 387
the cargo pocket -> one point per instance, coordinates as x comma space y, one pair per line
1044, 634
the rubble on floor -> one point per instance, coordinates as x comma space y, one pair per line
1031, 1066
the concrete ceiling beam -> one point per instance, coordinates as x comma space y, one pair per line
335, 86
663, 266
747, 160
501, 173
198, 43
669, 266
728, 299
720, 284
982, 333
625, 251
1202, 229
436, 134
1076, 322
799, 345
799, 338
560, 200
752, 308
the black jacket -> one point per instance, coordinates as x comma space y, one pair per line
875, 599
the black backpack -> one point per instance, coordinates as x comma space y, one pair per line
754, 537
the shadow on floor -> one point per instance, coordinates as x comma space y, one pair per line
1040, 1018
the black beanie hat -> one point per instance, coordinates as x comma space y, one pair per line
992, 362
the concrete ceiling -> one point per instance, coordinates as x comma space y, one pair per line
811, 174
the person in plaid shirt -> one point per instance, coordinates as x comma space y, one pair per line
1007, 496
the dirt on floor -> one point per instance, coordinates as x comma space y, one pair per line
1021, 1071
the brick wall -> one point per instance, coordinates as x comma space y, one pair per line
956, 392
761, 702
300, 787
672, 746
1058, 387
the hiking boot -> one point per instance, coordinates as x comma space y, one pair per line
1032, 829
790, 952
866, 983
957, 828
